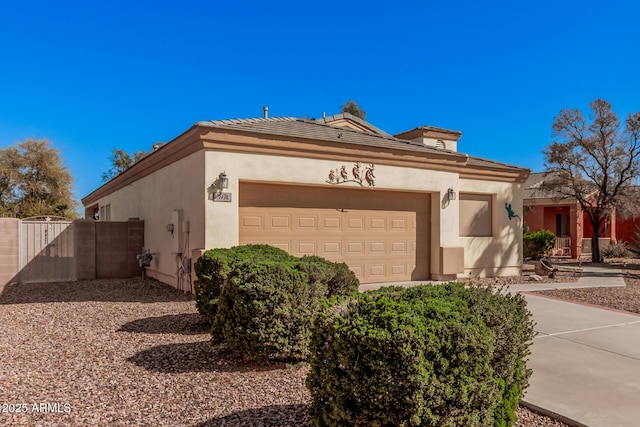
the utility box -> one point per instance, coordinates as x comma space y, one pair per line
451, 260
176, 234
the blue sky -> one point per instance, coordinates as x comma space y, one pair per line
92, 76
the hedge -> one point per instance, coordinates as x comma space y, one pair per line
262, 301
425, 356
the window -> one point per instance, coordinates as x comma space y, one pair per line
476, 215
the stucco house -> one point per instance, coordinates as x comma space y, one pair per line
543, 210
393, 207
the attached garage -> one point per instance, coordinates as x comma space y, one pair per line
382, 235
308, 186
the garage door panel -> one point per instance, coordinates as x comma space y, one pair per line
377, 271
398, 224
331, 223
307, 248
307, 222
355, 248
354, 224
382, 236
280, 222
377, 247
377, 224
399, 270
252, 221
332, 249
398, 247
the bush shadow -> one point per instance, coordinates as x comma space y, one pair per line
269, 416
100, 290
185, 324
199, 356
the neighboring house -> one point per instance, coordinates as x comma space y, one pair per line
565, 218
394, 208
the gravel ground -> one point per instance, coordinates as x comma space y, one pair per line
623, 298
135, 353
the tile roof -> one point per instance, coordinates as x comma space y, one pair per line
349, 116
314, 129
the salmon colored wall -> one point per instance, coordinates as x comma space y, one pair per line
534, 217
588, 229
626, 229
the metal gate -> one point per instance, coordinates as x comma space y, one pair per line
46, 250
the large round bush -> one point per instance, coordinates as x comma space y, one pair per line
262, 301
426, 356
402, 357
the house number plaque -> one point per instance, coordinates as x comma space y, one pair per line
222, 197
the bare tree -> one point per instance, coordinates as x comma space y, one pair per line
34, 182
352, 108
596, 162
121, 161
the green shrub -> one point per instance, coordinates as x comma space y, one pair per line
265, 312
425, 356
510, 321
538, 243
216, 265
262, 301
615, 250
402, 357
339, 279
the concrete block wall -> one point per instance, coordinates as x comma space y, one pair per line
111, 250
9, 250
117, 244
135, 243
108, 249
101, 249
85, 249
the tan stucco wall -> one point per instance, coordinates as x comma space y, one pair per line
185, 185
180, 185
222, 217
500, 254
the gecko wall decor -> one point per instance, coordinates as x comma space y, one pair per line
510, 211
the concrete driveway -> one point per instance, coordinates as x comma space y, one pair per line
586, 363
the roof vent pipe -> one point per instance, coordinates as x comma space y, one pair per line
265, 112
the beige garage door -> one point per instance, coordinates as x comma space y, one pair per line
383, 236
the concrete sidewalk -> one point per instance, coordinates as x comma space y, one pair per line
586, 363
585, 360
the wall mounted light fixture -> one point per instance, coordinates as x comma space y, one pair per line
451, 195
221, 183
